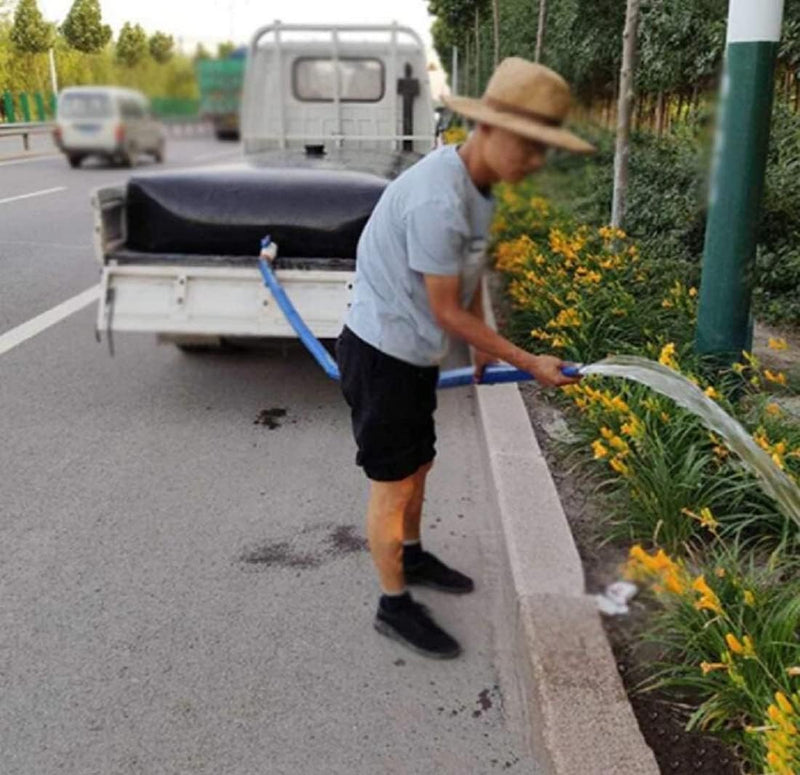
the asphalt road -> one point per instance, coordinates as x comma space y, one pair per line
184, 589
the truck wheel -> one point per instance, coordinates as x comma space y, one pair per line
74, 160
126, 157
192, 343
158, 154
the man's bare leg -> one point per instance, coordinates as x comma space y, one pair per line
421, 567
388, 504
413, 513
398, 616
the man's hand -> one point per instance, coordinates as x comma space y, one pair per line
481, 360
546, 370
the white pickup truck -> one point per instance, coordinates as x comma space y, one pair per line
330, 115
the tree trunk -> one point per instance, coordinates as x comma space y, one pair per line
467, 80
797, 95
660, 114
477, 50
496, 19
624, 105
540, 30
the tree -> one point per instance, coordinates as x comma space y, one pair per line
224, 50
201, 52
31, 34
131, 45
162, 47
496, 30
84, 29
624, 113
540, 29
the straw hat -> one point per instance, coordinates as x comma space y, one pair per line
525, 98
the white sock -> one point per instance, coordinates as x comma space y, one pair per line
394, 594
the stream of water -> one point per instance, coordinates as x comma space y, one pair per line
687, 395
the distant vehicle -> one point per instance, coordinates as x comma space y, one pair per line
107, 121
220, 82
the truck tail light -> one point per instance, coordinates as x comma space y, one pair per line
57, 133
119, 133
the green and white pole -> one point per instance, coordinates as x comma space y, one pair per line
724, 324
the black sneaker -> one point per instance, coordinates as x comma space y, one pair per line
411, 625
429, 571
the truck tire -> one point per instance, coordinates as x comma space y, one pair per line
74, 160
227, 135
158, 154
126, 157
193, 344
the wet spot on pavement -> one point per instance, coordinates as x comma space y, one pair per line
280, 554
270, 417
344, 540
308, 549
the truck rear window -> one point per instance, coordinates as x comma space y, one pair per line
360, 79
84, 106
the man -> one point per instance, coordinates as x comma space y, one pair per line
419, 265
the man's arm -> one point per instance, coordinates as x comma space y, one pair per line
476, 305
444, 297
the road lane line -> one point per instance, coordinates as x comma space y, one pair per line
58, 245
40, 323
217, 155
37, 157
35, 193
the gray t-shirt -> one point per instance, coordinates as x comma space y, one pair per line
430, 220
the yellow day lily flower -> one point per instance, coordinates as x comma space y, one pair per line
783, 703
733, 644
743, 648
708, 667
777, 344
708, 598
620, 467
779, 378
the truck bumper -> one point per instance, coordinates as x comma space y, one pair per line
226, 301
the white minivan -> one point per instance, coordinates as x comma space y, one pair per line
107, 121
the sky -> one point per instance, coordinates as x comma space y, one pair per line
213, 21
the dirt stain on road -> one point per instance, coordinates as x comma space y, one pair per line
310, 548
270, 417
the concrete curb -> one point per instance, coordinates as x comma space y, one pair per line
579, 719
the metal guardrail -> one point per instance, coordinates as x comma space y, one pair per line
26, 130
176, 127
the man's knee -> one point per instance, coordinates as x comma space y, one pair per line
396, 495
423, 470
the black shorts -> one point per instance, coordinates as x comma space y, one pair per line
392, 404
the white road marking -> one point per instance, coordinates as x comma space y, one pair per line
35, 193
217, 155
42, 322
34, 157
38, 157
58, 245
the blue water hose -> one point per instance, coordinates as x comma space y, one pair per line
494, 374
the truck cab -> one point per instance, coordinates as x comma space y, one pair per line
330, 115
